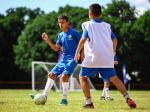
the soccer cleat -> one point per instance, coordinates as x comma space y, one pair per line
102, 98
32, 96
109, 99
88, 106
64, 102
131, 103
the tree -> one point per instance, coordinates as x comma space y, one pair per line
11, 27
30, 45
140, 45
121, 16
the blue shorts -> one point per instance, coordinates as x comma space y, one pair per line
106, 73
64, 67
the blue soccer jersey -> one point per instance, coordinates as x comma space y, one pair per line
69, 41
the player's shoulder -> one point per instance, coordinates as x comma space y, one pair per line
72, 30
105, 23
86, 22
61, 33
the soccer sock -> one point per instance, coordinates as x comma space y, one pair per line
107, 92
49, 85
126, 96
65, 86
103, 92
88, 100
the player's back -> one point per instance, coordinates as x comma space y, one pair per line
99, 48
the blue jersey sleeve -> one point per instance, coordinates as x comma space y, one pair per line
113, 36
59, 42
85, 33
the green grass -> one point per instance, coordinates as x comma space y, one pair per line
20, 101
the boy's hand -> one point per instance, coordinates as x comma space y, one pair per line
115, 60
77, 57
44, 36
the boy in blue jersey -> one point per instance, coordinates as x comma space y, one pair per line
99, 55
67, 40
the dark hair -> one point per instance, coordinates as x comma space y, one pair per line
95, 9
63, 17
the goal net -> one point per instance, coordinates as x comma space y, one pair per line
40, 73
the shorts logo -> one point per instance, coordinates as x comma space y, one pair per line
70, 37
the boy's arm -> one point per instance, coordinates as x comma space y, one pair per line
82, 55
50, 43
80, 46
115, 42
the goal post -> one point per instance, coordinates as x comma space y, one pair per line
43, 65
39, 77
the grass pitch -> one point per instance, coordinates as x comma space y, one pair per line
20, 101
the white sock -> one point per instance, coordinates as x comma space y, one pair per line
65, 86
48, 87
106, 92
126, 96
103, 92
88, 100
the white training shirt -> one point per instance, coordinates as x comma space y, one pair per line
98, 49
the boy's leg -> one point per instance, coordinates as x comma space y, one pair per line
85, 87
118, 83
68, 70
65, 86
102, 97
49, 84
121, 87
109, 73
105, 92
106, 89
57, 70
86, 90
84, 74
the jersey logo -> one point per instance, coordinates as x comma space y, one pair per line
70, 37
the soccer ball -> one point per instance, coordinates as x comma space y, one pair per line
40, 99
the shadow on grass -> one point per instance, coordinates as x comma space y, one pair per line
127, 108
1, 103
142, 108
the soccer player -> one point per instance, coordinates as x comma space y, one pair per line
105, 93
98, 50
67, 40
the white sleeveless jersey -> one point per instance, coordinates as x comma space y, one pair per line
98, 50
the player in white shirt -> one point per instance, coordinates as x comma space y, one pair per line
99, 55
105, 92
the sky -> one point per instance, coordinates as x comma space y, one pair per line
53, 5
